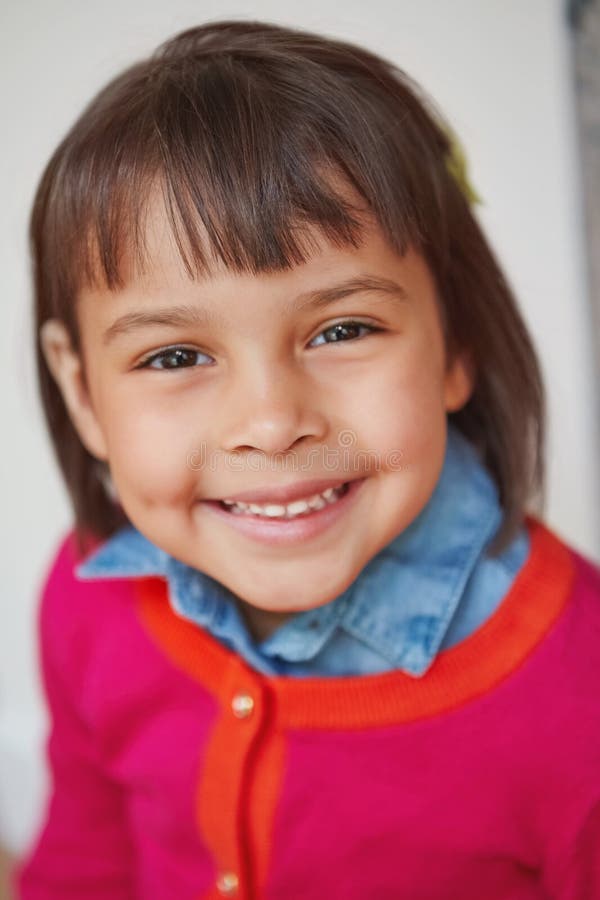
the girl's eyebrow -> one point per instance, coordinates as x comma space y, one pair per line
194, 315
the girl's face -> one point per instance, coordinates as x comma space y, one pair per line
261, 396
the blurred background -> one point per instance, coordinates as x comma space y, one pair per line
520, 82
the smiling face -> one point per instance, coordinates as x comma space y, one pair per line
279, 379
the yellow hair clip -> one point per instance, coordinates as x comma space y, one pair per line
456, 163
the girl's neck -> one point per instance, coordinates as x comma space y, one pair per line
261, 623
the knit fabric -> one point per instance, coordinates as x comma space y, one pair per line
180, 772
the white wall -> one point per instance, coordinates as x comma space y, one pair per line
499, 69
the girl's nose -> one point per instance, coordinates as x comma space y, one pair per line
270, 409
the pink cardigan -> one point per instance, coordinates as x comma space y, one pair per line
181, 773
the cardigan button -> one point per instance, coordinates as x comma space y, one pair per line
228, 884
242, 705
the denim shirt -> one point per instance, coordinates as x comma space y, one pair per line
426, 590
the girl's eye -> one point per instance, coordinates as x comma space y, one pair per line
173, 358
344, 331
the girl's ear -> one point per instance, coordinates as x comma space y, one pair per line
67, 370
459, 382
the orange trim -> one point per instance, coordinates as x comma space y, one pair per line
263, 796
459, 674
237, 799
187, 646
240, 778
222, 789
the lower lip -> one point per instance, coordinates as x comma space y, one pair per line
283, 532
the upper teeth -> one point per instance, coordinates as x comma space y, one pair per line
288, 510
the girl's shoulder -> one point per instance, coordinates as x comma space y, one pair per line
63, 558
73, 613
60, 586
549, 543
561, 593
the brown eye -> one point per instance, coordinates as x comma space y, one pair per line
173, 358
344, 331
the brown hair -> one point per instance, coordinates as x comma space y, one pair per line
242, 125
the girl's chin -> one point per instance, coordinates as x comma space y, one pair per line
262, 622
268, 605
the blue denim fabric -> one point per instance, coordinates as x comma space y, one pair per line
425, 591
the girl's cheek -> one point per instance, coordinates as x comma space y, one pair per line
149, 454
151, 481
405, 402
145, 420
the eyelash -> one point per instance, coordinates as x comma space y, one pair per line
161, 354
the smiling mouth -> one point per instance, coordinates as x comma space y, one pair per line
286, 511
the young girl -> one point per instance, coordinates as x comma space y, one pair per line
307, 638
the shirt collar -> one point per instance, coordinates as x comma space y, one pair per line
401, 603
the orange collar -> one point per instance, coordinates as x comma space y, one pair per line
475, 665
